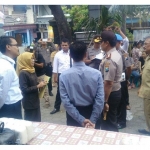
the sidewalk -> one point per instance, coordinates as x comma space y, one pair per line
136, 103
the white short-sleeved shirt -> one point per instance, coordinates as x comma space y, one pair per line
61, 62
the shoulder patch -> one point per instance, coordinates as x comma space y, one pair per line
106, 65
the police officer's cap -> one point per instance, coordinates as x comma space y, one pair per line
119, 37
97, 38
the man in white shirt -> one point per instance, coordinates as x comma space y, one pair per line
60, 64
10, 94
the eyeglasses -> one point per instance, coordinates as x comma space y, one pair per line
14, 45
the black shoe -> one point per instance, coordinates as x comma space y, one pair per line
51, 94
120, 126
143, 131
54, 111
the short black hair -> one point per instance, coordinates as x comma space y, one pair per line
110, 37
5, 40
78, 50
65, 40
135, 44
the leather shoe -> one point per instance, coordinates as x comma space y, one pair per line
54, 111
120, 126
51, 94
143, 131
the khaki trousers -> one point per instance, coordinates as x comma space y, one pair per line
147, 112
46, 93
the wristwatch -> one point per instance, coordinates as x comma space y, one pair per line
105, 102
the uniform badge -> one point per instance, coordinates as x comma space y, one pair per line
107, 66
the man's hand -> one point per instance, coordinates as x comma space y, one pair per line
55, 77
106, 107
92, 58
88, 124
49, 40
109, 28
40, 40
117, 29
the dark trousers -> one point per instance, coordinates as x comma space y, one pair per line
58, 99
121, 112
32, 114
86, 112
49, 73
110, 123
11, 111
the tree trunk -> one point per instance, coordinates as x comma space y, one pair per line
124, 22
61, 21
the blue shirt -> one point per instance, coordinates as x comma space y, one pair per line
9, 82
82, 86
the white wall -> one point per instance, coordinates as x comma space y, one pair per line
30, 15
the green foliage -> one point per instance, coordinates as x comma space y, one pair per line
129, 35
78, 14
98, 24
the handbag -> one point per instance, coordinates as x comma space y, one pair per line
7, 136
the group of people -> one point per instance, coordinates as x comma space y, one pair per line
92, 82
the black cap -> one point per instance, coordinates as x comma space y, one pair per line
110, 37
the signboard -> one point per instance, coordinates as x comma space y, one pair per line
140, 34
1, 19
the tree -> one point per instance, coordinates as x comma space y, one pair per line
61, 21
78, 15
123, 11
97, 25
131, 11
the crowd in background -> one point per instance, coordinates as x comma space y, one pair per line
92, 82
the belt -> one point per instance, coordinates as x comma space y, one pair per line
48, 64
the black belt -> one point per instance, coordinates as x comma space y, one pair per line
48, 64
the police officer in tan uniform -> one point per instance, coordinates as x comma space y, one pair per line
111, 68
144, 90
121, 119
91, 59
46, 48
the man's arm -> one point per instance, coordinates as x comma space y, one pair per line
99, 100
41, 60
125, 40
51, 45
107, 89
87, 60
39, 65
55, 68
5, 83
128, 72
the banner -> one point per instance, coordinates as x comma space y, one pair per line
50, 32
